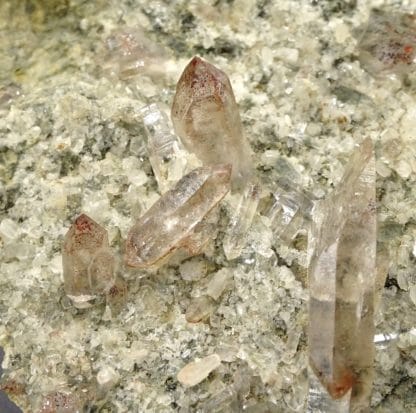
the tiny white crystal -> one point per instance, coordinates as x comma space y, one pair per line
197, 371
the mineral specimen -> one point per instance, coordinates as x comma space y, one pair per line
388, 44
196, 371
235, 237
60, 402
200, 309
205, 116
290, 210
87, 260
176, 220
131, 52
342, 278
164, 148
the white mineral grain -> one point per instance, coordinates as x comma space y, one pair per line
197, 371
220, 281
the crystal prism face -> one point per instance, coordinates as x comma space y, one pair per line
88, 263
205, 116
174, 221
342, 282
388, 44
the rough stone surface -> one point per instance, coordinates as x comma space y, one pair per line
72, 139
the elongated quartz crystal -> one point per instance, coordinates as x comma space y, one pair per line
176, 219
235, 237
165, 150
88, 263
342, 283
205, 116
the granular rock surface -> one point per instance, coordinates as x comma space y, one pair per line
72, 141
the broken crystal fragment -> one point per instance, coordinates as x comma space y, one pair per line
176, 220
164, 149
388, 43
205, 116
196, 371
88, 263
342, 282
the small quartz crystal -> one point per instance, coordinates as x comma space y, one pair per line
388, 43
342, 283
205, 116
196, 371
88, 263
130, 52
176, 220
241, 219
165, 151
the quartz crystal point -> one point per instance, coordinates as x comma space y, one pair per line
88, 263
176, 219
164, 149
342, 282
205, 116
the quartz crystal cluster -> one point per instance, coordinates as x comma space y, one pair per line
205, 116
342, 283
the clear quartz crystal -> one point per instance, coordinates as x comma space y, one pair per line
290, 210
235, 237
176, 220
205, 116
164, 149
342, 283
88, 263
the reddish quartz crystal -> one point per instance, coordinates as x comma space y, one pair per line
179, 219
205, 116
87, 260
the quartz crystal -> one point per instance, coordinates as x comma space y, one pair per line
235, 237
196, 371
205, 116
388, 43
290, 209
164, 149
88, 263
130, 52
342, 282
176, 220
